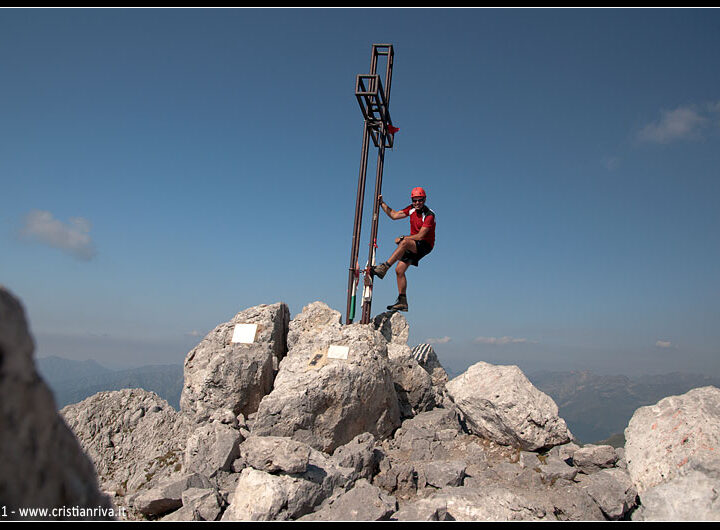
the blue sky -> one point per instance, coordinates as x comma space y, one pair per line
162, 170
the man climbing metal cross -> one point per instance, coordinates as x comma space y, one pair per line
410, 249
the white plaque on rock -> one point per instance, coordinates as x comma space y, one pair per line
338, 352
244, 333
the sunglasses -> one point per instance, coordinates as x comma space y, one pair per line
420, 199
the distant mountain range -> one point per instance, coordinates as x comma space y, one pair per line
73, 381
595, 407
599, 407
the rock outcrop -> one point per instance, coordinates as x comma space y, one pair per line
307, 419
41, 463
222, 374
673, 456
499, 403
334, 384
134, 437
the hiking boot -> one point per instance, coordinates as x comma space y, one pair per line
379, 270
400, 304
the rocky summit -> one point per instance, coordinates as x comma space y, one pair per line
307, 419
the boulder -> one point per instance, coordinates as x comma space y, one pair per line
592, 458
42, 465
690, 497
167, 496
212, 447
364, 502
499, 403
134, 437
204, 503
334, 384
494, 503
274, 454
360, 455
222, 374
413, 384
440, 474
262, 496
426, 357
678, 435
612, 490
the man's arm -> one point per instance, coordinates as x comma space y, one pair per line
420, 235
392, 214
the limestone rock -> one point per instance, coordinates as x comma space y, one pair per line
364, 502
690, 497
500, 403
393, 326
323, 401
41, 463
261, 496
440, 474
677, 435
432, 509
426, 357
592, 458
212, 447
274, 454
134, 437
360, 455
204, 503
613, 491
413, 384
493, 503
220, 374
167, 496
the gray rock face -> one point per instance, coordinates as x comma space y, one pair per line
320, 438
413, 384
134, 437
690, 497
324, 401
593, 458
273, 454
364, 502
221, 374
501, 404
41, 462
677, 435
168, 495
613, 491
263, 496
426, 357
210, 448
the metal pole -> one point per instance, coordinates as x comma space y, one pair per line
359, 201
374, 101
367, 300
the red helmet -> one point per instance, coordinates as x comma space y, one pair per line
418, 192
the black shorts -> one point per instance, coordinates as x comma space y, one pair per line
412, 258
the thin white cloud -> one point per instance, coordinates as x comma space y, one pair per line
193, 333
665, 344
441, 340
682, 123
501, 341
72, 237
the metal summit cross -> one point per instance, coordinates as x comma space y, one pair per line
374, 101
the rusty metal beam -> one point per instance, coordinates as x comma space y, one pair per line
373, 96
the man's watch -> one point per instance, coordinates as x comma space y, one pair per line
402, 237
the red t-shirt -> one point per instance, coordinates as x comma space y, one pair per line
419, 218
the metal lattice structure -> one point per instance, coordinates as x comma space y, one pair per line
373, 96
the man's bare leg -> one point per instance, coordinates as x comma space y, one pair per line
400, 269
